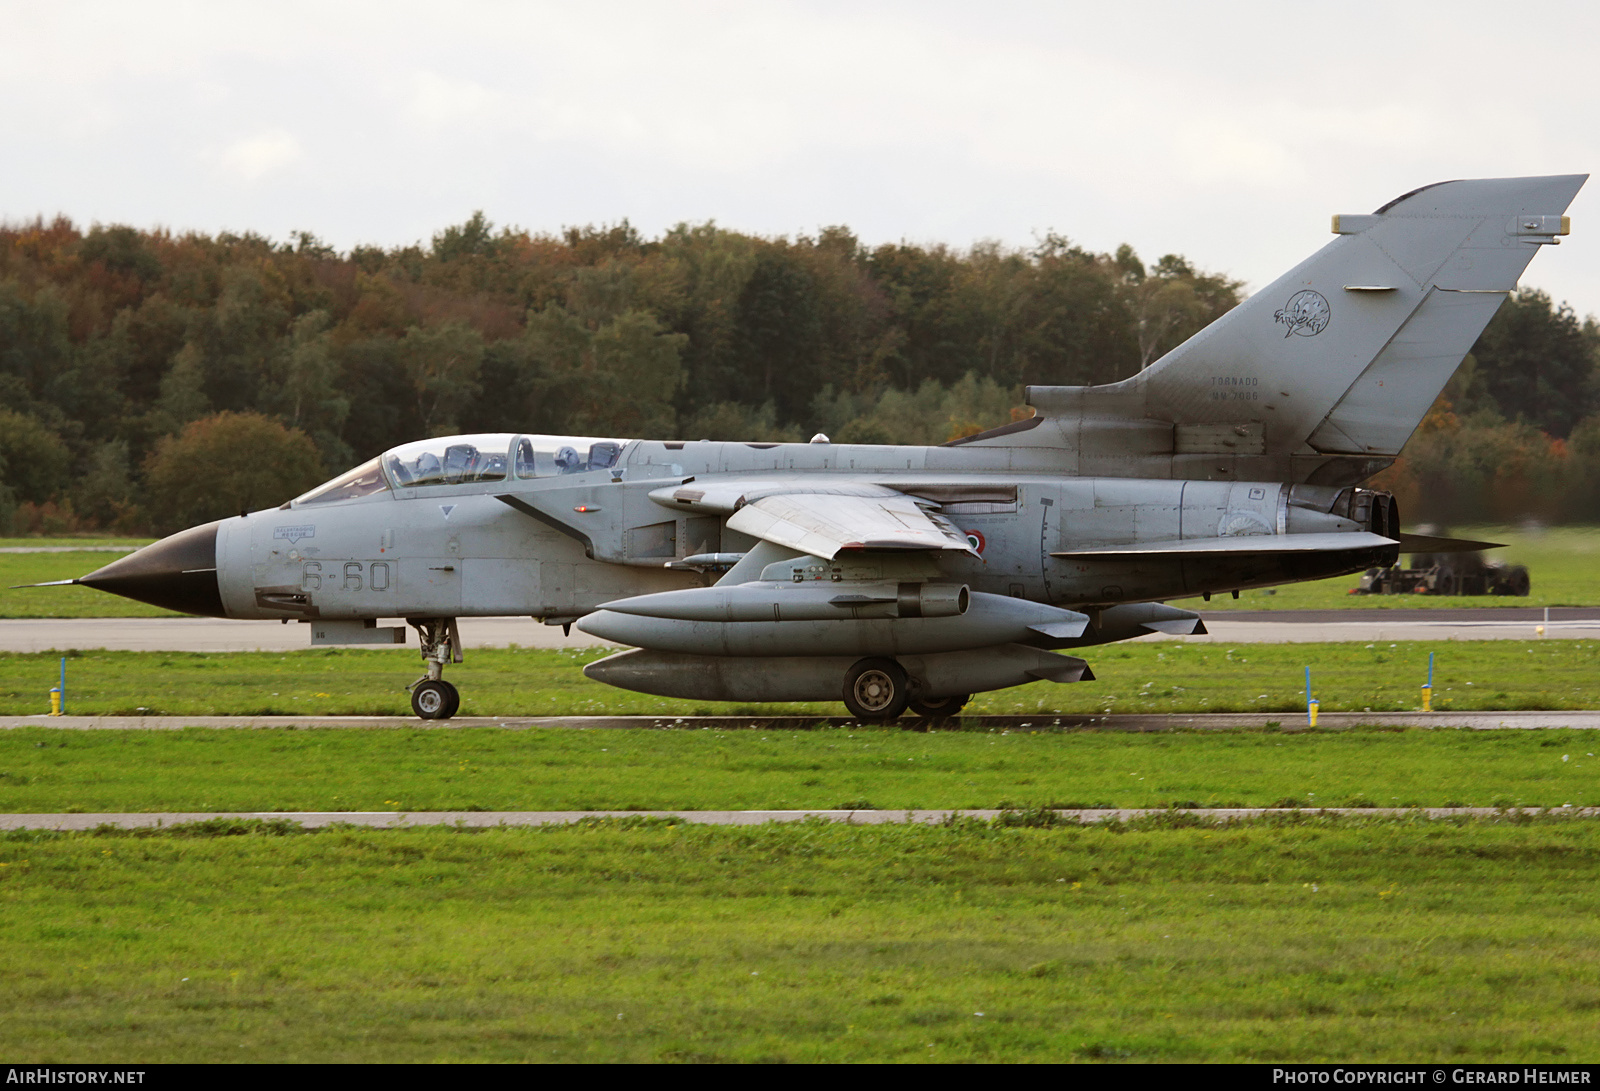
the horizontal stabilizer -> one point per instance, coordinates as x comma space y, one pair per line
1428, 543
1237, 546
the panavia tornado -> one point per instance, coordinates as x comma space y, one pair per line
893, 577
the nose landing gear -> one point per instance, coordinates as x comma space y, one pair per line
432, 698
435, 699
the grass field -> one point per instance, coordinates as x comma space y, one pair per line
1299, 939
88, 542
61, 602
491, 769
1161, 676
1303, 940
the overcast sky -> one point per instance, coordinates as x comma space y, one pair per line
1228, 132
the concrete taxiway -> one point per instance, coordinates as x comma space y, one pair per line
490, 819
1217, 721
69, 549
1226, 627
198, 634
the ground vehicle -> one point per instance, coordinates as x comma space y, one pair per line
1447, 574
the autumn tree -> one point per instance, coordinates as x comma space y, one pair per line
37, 464
116, 341
303, 387
1172, 302
1075, 328
1537, 362
442, 365
617, 378
227, 463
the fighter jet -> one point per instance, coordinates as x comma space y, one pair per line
891, 577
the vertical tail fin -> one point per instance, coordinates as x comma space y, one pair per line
1326, 372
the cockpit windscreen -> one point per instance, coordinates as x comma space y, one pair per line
364, 480
452, 460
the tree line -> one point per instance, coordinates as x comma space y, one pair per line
1516, 432
150, 379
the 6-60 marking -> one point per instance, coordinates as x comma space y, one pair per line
345, 576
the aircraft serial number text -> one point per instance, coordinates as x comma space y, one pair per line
345, 576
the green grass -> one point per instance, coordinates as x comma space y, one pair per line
82, 540
1312, 940
1306, 940
1563, 564
1161, 676
490, 769
61, 602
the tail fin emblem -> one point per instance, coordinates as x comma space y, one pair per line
1306, 314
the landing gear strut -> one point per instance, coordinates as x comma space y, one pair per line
432, 698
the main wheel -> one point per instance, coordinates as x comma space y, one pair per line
435, 700
937, 708
876, 689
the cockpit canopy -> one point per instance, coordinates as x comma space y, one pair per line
452, 460
364, 480
549, 456
463, 460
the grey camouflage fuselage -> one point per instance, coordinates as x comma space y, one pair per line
757, 571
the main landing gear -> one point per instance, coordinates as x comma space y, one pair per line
432, 698
878, 689
939, 708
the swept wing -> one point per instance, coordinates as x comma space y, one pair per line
824, 519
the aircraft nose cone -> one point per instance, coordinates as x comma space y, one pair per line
177, 573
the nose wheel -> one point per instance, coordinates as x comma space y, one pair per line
432, 698
435, 699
